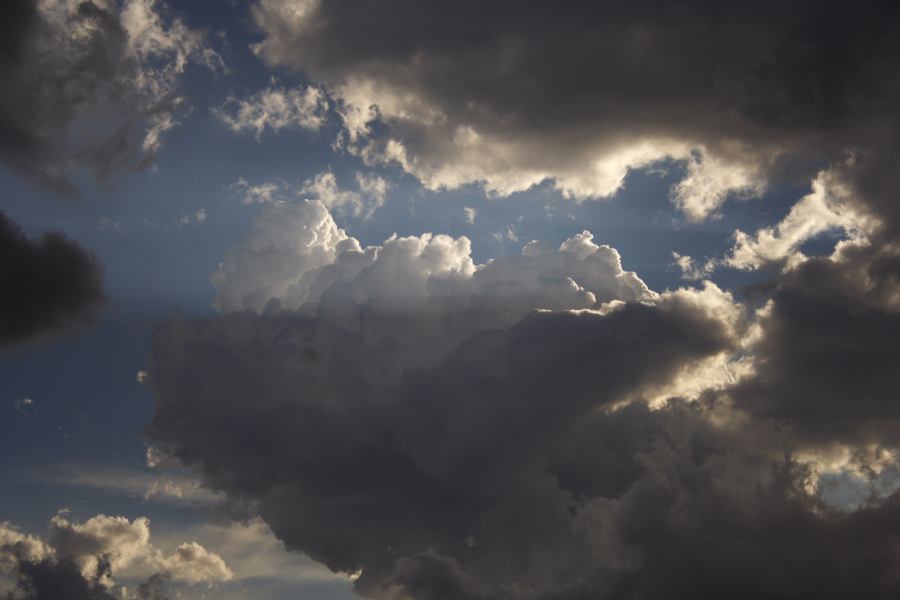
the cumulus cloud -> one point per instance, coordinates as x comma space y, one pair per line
545, 425
275, 108
50, 284
79, 560
363, 203
829, 207
402, 414
296, 253
828, 347
459, 93
91, 85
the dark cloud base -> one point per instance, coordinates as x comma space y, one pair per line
504, 472
49, 284
50, 579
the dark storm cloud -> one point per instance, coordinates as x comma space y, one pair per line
451, 460
509, 93
413, 419
502, 473
89, 85
418, 421
49, 284
831, 345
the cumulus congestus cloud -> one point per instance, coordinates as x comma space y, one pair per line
90, 85
451, 430
515, 93
545, 426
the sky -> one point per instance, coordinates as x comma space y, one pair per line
404, 300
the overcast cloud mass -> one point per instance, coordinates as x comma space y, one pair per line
474, 301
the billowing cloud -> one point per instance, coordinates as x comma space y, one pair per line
80, 560
90, 85
828, 348
544, 425
829, 208
49, 284
513, 94
398, 410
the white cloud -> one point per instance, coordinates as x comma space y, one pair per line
275, 108
828, 208
124, 544
287, 241
324, 188
296, 252
710, 180
297, 258
691, 269
261, 193
373, 189
470, 213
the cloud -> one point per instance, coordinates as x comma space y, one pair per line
363, 203
460, 93
829, 207
296, 254
402, 414
91, 85
50, 284
275, 108
79, 560
261, 193
197, 217
545, 425
827, 348
165, 487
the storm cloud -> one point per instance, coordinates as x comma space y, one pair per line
511, 94
50, 284
546, 426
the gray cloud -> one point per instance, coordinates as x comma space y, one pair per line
411, 416
50, 284
449, 430
514, 93
514, 430
829, 348
90, 85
